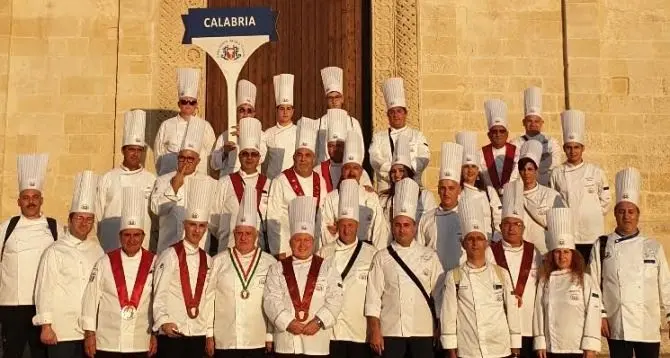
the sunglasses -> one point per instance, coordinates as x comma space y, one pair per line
184, 102
189, 160
250, 154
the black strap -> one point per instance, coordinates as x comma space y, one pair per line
602, 249
51, 222
429, 299
525, 137
352, 259
391, 143
53, 227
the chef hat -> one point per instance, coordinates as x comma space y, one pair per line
496, 113
471, 150
348, 206
532, 101
246, 93
531, 149
628, 182
188, 81
512, 200
198, 199
134, 124
337, 124
250, 130
85, 187
561, 231
401, 154
574, 126
248, 212
134, 208
332, 79
451, 161
283, 89
302, 215
307, 134
32, 170
195, 130
352, 149
406, 198
394, 93
471, 218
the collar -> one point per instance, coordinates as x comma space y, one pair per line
246, 176
279, 126
471, 187
560, 272
137, 256
536, 188
333, 164
468, 267
341, 246
624, 238
393, 131
182, 119
249, 254
71, 240
440, 211
40, 219
398, 247
125, 170
569, 167
508, 247
300, 176
189, 248
297, 261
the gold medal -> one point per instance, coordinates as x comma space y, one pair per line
244, 294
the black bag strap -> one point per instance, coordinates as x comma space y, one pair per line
352, 259
602, 241
10, 228
429, 300
53, 227
391, 143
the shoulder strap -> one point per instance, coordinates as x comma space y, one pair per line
457, 278
412, 276
603, 247
352, 259
53, 227
10, 228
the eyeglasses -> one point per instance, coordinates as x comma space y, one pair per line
498, 131
83, 219
184, 102
250, 154
189, 160
243, 110
517, 225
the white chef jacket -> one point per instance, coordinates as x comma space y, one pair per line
499, 157
170, 207
585, 189
537, 202
280, 143
440, 230
426, 203
110, 203
237, 323
394, 298
230, 163
351, 324
227, 207
567, 314
335, 172
322, 140
381, 156
65, 269
372, 224
480, 318
551, 154
281, 195
326, 304
490, 204
101, 310
168, 142
23, 249
169, 306
635, 283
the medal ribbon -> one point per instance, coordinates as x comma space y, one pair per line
191, 301
246, 275
120, 279
301, 305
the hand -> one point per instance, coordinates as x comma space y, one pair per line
280, 256
89, 344
228, 147
541, 353
268, 347
369, 189
451, 353
376, 341
295, 327
171, 330
209, 346
311, 328
234, 133
332, 229
589, 354
604, 328
48, 336
516, 352
178, 179
153, 346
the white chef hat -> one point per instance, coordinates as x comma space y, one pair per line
406, 198
134, 124
531, 149
332, 78
283, 84
195, 130
471, 150
302, 215
532, 101
246, 93
188, 81
337, 124
348, 205
248, 212
628, 183
561, 230
402, 150
394, 93
32, 170
451, 161
471, 218
134, 208
496, 113
307, 134
85, 187
250, 130
352, 149
198, 199
512, 200
574, 126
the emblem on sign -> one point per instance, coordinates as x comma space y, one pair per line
231, 51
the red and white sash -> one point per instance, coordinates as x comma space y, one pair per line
524, 270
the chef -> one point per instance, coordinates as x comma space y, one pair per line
24, 239
131, 173
399, 301
237, 326
170, 194
303, 292
179, 311
280, 139
65, 269
633, 272
299, 180
231, 187
173, 130
532, 122
499, 158
583, 186
352, 259
225, 156
115, 314
480, 316
384, 143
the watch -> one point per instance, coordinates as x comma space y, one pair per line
319, 322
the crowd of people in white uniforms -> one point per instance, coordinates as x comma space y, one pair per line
295, 252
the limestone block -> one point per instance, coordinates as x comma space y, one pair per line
84, 143
584, 47
135, 65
